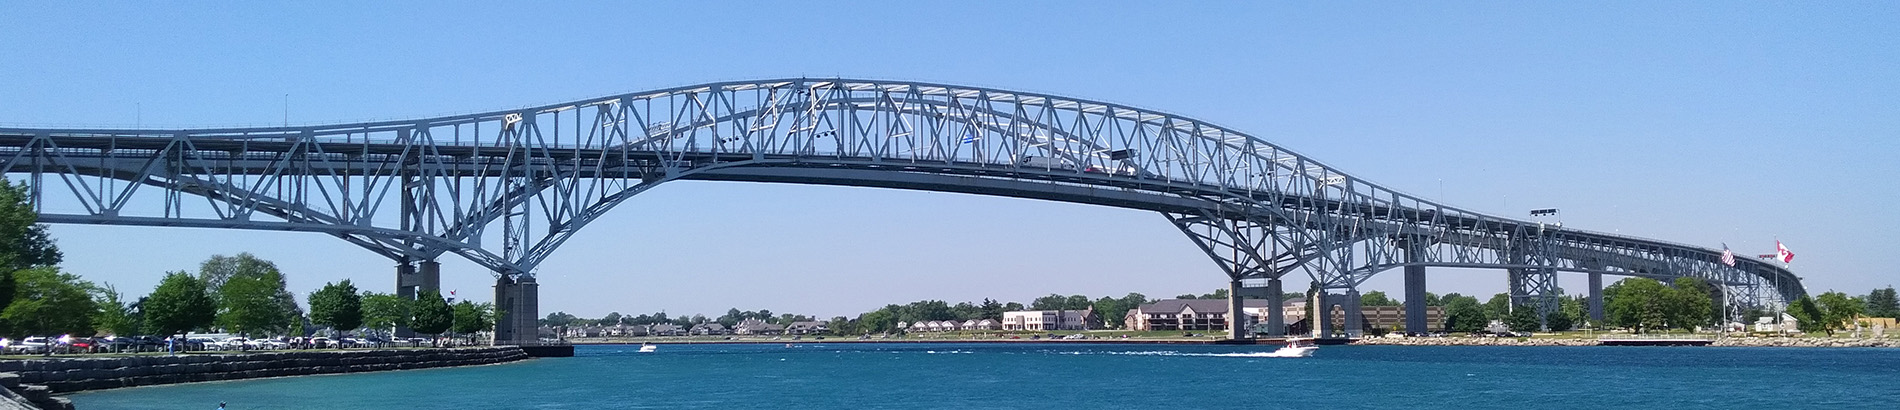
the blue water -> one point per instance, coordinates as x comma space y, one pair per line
1008, 376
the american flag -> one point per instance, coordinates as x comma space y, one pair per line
1728, 258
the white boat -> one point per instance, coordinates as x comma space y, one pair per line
647, 348
1294, 348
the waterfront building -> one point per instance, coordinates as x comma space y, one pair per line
1390, 318
706, 329
665, 329
1191, 314
757, 327
1040, 320
807, 327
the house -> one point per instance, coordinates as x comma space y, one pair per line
1190, 314
665, 329
704, 329
985, 324
584, 331
1040, 320
807, 328
626, 331
757, 327
920, 326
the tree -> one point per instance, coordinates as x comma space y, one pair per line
1557, 321
612, 318
992, 309
24, 243
179, 304
250, 303
432, 314
1688, 304
561, 319
1432, 299
1051, 302
473, 317
1838, 310
383, 311
1523, 319
1498, 308
1463, 314
50, 302
219, 269
1809, 317
338, 306
1636, 303
1376, 298
1882, 303
115, 316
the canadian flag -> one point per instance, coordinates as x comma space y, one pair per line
1782, 253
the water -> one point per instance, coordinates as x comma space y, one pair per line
980, 376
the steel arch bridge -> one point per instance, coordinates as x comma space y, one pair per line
505, 189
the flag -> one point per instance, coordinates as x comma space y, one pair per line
1782, 252
451, 292
1728, 258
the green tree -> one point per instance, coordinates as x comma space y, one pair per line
1463, 313
1557, 321
24, 242
432, 314
562, 319
1376, 298
473, 317
1838, 310
1432, 299
1636, 303
1882, 303
1523, 319
115, 316
249, 304
1498, 308
50, 302
1688, 304
179, 304
338, 306
992, 309
384, 312
1807, 316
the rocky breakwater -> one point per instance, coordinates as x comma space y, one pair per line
66, 375
1473, 341
1804, 342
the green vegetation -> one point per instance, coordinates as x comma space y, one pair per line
1377, 298
338, 306
473, 317
432, 314
383, 311
1557, 321
50, 302
179, 304
1645, 304
1523, 319
1838, 311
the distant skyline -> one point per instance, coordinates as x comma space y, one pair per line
1697, 123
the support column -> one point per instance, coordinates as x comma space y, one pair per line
1323, 322
406, 288
1236, 316
1596, 299
1276, 309
1415, 322
517, 301
1355, 317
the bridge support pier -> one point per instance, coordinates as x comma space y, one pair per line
1236, 316
1355, 316
1323, 314
1415, 300
1596, 299
410, 282
1276, 309
517, 305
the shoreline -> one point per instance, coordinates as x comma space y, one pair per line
1815, 342
35, 382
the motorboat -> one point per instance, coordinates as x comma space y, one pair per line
1294, 348
648, 348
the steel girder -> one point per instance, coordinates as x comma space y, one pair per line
420, 188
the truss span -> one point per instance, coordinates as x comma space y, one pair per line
507, 188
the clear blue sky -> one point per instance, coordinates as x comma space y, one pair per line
1734, 122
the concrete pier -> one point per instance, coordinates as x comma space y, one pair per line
517, 301
1415, 300
1276, 309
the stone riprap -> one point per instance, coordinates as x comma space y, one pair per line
1726, 341
66, 375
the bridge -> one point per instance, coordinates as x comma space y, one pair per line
505, 189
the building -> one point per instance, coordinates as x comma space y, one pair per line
982, 324
704, 329
665, 329
1041, 320
757, 327
1389, 318
807, 328
1191, 314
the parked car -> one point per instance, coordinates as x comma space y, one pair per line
321, 342
30, 345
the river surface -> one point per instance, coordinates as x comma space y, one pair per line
1084, 376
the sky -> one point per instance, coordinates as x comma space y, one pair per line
1700, 123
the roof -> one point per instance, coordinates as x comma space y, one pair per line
1199, 305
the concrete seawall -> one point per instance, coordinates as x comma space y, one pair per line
37, 380
1727, 341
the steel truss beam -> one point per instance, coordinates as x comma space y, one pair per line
507, 188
